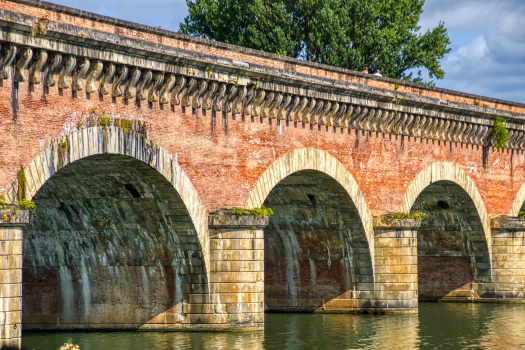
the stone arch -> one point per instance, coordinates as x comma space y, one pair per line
112, 207
317, 253
444, 171
114, 140
519, 200
454, 243
310, 158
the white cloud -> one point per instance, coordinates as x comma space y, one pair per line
488, 50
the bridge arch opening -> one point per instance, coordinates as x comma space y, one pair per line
453, 253
316, 253
318, 247
112, 243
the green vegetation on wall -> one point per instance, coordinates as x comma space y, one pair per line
259, 212
500, 133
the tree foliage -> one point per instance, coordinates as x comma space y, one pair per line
353, 34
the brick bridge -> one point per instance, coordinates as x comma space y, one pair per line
135, 143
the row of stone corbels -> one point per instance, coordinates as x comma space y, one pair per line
129, 82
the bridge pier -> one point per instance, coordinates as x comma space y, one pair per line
508, 262
11, 239
237, 271
395, 253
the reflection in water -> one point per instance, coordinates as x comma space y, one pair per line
438, 326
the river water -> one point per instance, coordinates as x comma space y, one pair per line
438, 326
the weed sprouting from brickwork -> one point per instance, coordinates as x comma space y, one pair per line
259, 212
39, 27
22, 203
98, 116
61, 151
21, 177
500, 133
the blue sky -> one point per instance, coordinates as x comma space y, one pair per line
488, 38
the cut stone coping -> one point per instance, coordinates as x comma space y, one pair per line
388, 222
507, 223
222, 220
8, 218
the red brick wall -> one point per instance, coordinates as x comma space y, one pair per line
224, 157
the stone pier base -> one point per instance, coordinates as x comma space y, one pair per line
508, 262
237, 272
395, 287
11, 236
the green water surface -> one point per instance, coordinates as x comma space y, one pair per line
438, 326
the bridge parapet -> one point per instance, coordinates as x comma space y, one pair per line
168, 73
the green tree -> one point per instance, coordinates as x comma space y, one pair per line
353, 34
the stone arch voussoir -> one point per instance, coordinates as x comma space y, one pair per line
444, 171
114, 140
313, 159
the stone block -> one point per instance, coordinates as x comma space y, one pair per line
239, 308
341, 304
396, 269
11, 233
237, 287
394, 242
10, 290
392, 286
236, 255
509, 279
237, 244
10, 331
225, 318
201, 308
232, 298
508, 264
396, 260
229, 277
395, 251
11, 276
10, 262
236, 234
10, 247
13, 221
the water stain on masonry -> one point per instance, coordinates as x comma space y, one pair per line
105, 247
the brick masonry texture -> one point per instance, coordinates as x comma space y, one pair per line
124, 188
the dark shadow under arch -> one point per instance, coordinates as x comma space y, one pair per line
316, 251
112, 245
453, 253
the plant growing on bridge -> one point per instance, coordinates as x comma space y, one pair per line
500, 133
23, 203
259, 212
521, 215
